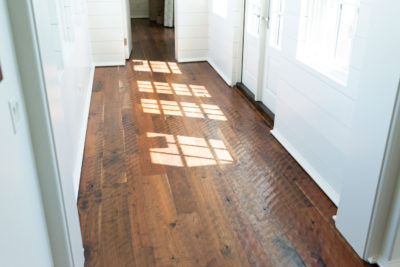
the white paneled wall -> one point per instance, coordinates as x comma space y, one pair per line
225, 38
191, 30
69, 95
310, 106
211, 30
106, 31
377, 89
139, 8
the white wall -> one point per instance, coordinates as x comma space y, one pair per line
23, 232
371, 121
68, 86
139, 8
106, 20
225, 38
314, 114
210, 30
69, 99
191, 30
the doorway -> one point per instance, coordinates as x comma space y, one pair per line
158, 11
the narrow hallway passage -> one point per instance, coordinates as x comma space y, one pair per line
179, 170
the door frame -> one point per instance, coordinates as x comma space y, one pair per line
30, 65
263, 42
385, 217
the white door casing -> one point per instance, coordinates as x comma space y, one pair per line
59, 127
255, 24
127, 27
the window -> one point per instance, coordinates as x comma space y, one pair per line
253, 11
327, 29
275, 23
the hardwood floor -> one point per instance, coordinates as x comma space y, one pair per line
179, 170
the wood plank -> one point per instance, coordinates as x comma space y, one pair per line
165, 183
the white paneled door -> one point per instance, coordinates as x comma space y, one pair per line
273, 54
263, 31
253, 44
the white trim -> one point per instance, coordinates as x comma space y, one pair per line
220, 72
139, 16
24, 27
385, 216
385, 263
110, 63
81, 146
193, 59
315, 175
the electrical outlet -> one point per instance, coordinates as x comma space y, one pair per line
15, 114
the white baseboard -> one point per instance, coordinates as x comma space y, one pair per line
81, 145
220, 72
321, 182
139, 16
385, 263
110, 63
194, 59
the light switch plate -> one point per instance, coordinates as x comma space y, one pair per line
15, 114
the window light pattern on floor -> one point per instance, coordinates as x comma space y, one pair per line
174, 108
186, 151
171, 89
156, 66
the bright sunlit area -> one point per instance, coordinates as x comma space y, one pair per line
276, 23
253, 10
327, 29
187, 109
220, 8
187, 151
156, 66
173, 89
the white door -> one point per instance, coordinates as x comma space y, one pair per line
273, 54
254, 39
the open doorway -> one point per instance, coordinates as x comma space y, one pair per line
158, 11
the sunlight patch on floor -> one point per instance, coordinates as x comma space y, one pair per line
180, 151
156, 66
187, 109
174, 88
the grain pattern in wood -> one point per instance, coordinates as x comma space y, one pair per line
180, 170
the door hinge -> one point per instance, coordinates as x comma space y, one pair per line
125, 41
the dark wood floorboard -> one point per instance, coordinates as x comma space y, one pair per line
180, 170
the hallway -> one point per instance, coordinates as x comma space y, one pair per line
179, 170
